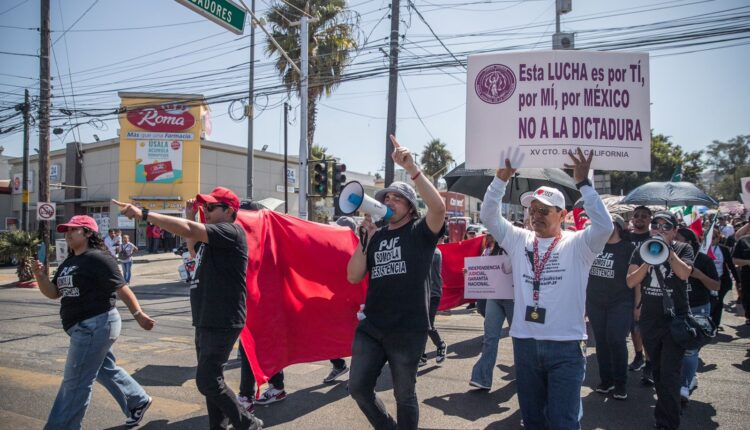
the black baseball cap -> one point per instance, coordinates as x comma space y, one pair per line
666, 216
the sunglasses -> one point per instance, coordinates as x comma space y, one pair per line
542, 210
211, 206
662, 227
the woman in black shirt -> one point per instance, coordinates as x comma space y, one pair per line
703, 279
87, 282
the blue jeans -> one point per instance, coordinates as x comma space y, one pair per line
371, 349
549, 375
126, 269
690, 359
90, 358
611, 324
496, 312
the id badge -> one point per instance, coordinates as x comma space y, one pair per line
535, 315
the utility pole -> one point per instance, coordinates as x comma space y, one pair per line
286, 158
392, 92
249, 109
44, 107
304, 70
25, 108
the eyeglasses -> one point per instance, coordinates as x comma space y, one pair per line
211, 206
542, 210
662, 227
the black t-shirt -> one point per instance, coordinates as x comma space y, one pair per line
219, 288
652, 310
87, 284
398, 262
698, 294
742, 251
607, 276
638, 238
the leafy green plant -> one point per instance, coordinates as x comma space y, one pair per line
20, 245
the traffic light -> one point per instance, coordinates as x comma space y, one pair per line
329, 172
338, 178
319, 176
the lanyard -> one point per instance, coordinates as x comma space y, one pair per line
539, 266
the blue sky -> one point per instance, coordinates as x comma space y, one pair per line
698, 93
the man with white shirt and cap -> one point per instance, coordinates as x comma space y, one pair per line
550, 274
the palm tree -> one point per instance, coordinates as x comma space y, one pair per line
331, 42
435, 160
318, 152
20, 245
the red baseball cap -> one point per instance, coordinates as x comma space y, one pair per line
220, 195
79, 221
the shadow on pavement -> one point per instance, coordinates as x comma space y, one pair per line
474, 404
188, 424
300, 403
164, 376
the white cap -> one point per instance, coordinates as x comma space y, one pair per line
547, 195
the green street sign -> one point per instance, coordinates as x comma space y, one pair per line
223, 12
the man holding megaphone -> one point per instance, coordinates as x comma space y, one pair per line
394, 329
674, 262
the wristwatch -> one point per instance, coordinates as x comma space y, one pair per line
144, 214
583, 182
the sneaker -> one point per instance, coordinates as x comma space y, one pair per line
605, 387
478, 385
422, 361
136, 415
637, 363
271, 395
441, 352
648, 374
620, 393
246, 404
684, 395
335, 373
257, 424
693, 384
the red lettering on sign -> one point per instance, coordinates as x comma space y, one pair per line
165, 118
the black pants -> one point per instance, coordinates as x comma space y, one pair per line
247, 378
717, 307
213, 347
666, 359
432, 332
371, 349
611, 323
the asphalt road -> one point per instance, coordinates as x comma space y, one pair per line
33, 348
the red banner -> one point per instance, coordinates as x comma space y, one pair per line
453, 270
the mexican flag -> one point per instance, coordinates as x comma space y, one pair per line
692, 219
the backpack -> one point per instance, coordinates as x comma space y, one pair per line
123, 254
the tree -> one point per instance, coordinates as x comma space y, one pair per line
330, 44
666, 156
435, 160
729, 161
20, 245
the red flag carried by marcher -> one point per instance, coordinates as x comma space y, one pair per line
300, 306
453, 270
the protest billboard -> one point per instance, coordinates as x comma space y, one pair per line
488, 277
548, 103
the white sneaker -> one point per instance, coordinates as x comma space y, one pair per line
271, 395
684, 394
246, 404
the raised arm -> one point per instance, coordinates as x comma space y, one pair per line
490, 213
435, 215
601, 223
179, 226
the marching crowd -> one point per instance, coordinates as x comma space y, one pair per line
607, 273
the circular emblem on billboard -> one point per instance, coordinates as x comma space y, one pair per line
175, 144
495, 84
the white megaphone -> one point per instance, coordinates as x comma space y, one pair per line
654, 251
353, 198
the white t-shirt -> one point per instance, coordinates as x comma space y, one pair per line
562, 290
718, 260
112, 244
